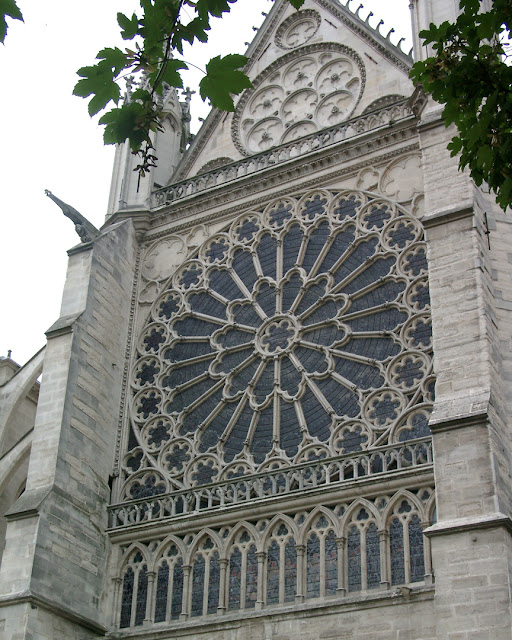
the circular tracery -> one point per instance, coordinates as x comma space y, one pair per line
298, 95
302, 332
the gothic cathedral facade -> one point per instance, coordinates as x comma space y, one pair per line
276, 404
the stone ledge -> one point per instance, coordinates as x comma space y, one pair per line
461, 525
448, 214
456, 413
63, 325
36, 600
393, 597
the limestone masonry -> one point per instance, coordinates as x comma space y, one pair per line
276, 403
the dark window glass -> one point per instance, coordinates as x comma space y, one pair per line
290, 571
251, 584
273, 573
198, 587
142, 596
331, 564
177, 590
162, 588
396, 543
235, 579
416, 549
372, 557
214, 584
126, 599
354, 559
313, 567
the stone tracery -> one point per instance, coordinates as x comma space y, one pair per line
300, 333
298, 96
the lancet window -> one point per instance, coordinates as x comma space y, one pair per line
344, 549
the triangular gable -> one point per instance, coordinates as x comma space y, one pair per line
311, 69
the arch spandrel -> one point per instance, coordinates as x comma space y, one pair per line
300, 331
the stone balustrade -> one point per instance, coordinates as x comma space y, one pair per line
321, 139
243, 490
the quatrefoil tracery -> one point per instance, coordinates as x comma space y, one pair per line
304, 328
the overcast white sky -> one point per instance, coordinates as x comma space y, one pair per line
49, 142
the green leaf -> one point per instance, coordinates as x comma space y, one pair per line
98, 82
124, 123
114, 58
129, 26
215, 8
223, 77
296, 4
8, 8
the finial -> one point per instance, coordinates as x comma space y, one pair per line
399, 43
377, 28
188, 93
390, 32
9, 353
368, 17
358, 10
83, 227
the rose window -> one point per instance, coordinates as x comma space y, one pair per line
298, 95
301, 332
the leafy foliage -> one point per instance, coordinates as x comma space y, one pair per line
470, 75
158, 35
8, 8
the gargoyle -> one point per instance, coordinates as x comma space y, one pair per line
83, 227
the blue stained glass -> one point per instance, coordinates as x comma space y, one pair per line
235, 579
244, 266
380, 295
354, 559
204, 303
347, 207
292, 241
416, 262
314, 207
214, 584
362, 375
198, 587
396, 544
162, 588
416, 549
273, 573
290, 433
280, 214
251, 584
177, 590
222, 282
290, 571
380, 321
267, 252
355, 258
313, 567
376, 217
342, 241
379, 268
142, 596
331, 564
318, 421
127, 598
262, 441
402, 234
316, 242
372, 557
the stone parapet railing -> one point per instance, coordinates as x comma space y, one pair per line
326, 137
349, 468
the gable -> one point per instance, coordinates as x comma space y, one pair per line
311, 69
